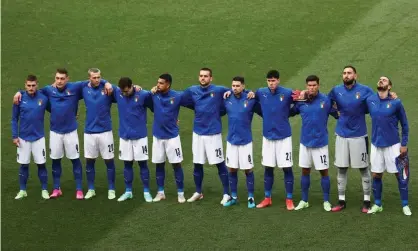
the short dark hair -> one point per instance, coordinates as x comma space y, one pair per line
125, 82
167, 77
312, 78
273, 74
207, 69
350, 66
62, 71
390, 81
239, 78
31, 78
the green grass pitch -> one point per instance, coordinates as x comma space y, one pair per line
142, 39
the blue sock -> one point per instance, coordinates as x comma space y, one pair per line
305, 183
144, 171
288, 182
223, 175
90, 173
268, 181
198, 177
160, 176
377, 190
233, 182
111, 171
78, 174
56, 172
403, 191
43, 176
128, 174
23, 176
326, 186
250, 184
179, 176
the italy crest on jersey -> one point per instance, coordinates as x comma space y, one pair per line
103, 92
245, 103
136, 98
212, 94
388, 105
172, 101
68, 92
40, 102
357, 95
281, 97
322, 104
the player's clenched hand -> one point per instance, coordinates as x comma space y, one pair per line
227, 94
16, 142
154, 90
404, 150
393, 95
137, 88
108, 88
17, 98
298, 95
250, 95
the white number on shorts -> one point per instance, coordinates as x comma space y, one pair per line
218, 152
324, 159
364, 157
289, 156
110, 148
178, 153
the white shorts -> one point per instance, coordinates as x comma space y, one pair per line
208, 147
383, 158
167, 148
59, 142
96, 143
36, 148
277, 153
316, 156
352, 152
239, 156
133, 149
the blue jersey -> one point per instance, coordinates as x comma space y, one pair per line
314, 132
166, 108
207, 104
133, 113
240, 111
386, 115
98, 104
275, 107
28, 117
351, 103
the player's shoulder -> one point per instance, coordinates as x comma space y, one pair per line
40, 95
338, 87
364, 87
373, 97
285, 90
263, 90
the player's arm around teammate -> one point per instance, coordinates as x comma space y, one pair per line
387, 146
63, 106
28, 135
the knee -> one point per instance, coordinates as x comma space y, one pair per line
176, 165
88, 160
108, 160
324, 173
377, 175
249, 171
306, 171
